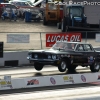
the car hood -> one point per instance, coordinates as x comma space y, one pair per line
51, 51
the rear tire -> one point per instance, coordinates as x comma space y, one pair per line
59, 25
95, 67
62, 66
44, 21
71, 68
38, 66
63, 25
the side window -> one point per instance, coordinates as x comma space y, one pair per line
80, 47
7, 6
87, 47
12, 6
17, 3
24, 4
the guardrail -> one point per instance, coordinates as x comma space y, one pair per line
37, 40
30, 82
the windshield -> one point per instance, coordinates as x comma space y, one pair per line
30, 3
52, 6
76, 11
64, 46
27, 3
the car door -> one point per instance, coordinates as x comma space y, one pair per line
79, 56
89, 52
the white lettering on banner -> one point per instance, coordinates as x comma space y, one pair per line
48, 40
57, 38
75, 38
66, 37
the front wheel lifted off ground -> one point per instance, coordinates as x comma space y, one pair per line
62, 66
95, 67
38, 66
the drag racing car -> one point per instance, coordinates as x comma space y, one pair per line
66, 55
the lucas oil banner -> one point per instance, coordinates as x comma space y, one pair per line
51, 39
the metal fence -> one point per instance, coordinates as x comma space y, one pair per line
37, 40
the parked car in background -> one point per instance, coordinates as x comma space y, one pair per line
22, 3
24, 6
8, 7
33, 14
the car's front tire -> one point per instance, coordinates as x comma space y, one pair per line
38, 66
95, 67
62, 66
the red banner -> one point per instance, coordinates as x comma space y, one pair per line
70, 37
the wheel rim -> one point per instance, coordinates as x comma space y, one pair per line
97, 66
63, 65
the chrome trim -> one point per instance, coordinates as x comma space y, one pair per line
28, 58
41, 59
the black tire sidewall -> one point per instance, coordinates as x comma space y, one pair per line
60, 68
93, 69
44, 21
38, 66
63, 23
72, 68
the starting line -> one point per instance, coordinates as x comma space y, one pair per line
30, 82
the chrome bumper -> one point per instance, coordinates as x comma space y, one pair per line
41, 59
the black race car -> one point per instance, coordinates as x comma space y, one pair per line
66, 55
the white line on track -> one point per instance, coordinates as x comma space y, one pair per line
59, 94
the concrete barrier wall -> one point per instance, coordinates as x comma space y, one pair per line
21, 56
30, 82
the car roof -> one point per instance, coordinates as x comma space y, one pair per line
18, 1
5, 3
73, 42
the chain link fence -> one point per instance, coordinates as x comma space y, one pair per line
37, 40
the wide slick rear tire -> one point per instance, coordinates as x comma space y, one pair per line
72, 68
95, 67
44, 21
